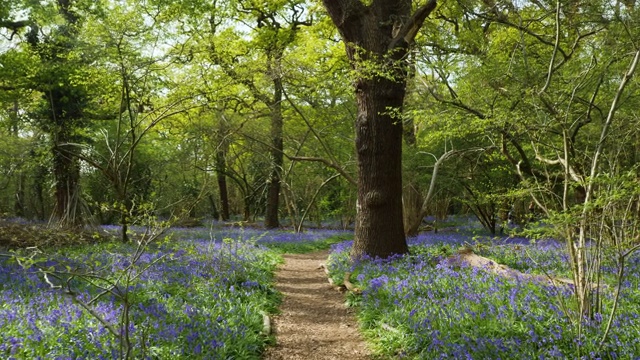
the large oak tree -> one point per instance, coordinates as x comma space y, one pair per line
377, 35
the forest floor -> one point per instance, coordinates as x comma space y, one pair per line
314, 322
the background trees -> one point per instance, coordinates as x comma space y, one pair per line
543, 92
244, 110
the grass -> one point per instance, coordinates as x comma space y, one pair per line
419, 307
280, 241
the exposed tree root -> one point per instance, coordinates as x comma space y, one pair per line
349, 285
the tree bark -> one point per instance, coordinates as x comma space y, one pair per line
379, 224
275, 107
19, 195
66, 173
412, 192
377, 38
222, 187
221, 172
65, 102
412, 208
39, 182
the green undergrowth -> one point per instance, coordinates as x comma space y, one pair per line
307, 246
420, 306
190, 299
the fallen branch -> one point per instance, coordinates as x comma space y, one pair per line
466, 257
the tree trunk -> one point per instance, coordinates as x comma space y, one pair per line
412, 194
64, 100
246, 206
221, 170
38, 188
214, 209
273, 193
66, 173
222, 186
412, 208
379, 225
18, 204
377, 38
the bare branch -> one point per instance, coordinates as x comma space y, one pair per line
555, 49
313, 131
607, 125
313, 199
559, 161
434, 174
327, 163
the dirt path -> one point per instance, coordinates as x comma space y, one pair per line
314, 323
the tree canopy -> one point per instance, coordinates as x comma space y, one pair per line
253, 111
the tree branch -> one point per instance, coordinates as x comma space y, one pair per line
343, 12
559, 161
605, 129
15, 26
434, 175
555, 49
326, 162
409, 30
524, 164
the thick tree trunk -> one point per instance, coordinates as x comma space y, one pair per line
379, 225
65, 114
377, 38
65, 101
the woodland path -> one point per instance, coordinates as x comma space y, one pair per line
314, 323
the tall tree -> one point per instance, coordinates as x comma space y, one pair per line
377, 35
64, 102
221, 168
277, 27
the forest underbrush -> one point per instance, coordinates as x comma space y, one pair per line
203, 293
424, 306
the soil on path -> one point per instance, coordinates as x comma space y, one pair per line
314, 323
